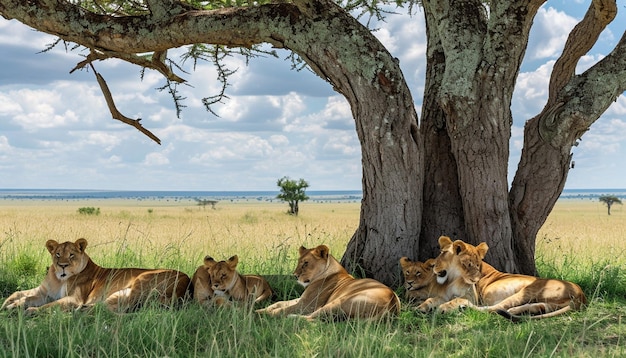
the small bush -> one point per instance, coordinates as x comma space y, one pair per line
89, 211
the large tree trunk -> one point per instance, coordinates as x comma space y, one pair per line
443, 207
574, 103
482, 57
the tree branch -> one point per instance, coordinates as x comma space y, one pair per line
115, 113
579, 42
584, 98
156, 61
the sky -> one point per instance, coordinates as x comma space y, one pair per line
56, 130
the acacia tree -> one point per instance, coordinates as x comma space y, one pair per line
609, 200
454, 163
292, 192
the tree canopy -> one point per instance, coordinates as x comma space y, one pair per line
609, 200
293, 192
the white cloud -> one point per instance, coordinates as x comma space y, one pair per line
279, 140
155, 159
549, 33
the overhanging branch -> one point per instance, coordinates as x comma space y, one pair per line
115, 113
156, 61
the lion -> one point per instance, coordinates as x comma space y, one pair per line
202, 291
510, 295
331, 293
444, 288
75, 281
419, 280
226, 282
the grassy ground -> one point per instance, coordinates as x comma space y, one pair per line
579, 242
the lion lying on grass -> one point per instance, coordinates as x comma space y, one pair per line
331, 293
420, 283
218, 282
75, 281
419, 280
510, 295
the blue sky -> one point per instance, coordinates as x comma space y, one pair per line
56, 131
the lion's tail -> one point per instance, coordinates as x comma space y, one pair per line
518, 318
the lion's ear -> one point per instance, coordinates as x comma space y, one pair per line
323, 251
482, 249
430, 263
51, 245
82, 244
404, 262
458, 247
303, 250
209, 261
233, 261
444, 241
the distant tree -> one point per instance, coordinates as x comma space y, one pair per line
205, 202
610, 200
292, 192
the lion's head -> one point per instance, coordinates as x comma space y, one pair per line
311, 264
458, 259
68, 258
223, 274
417, 276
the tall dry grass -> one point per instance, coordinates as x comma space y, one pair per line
160, 233
583, 230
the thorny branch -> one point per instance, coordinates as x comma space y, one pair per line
156, 61
115, 113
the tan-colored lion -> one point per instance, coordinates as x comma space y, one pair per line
449, 287
202, 291
419, 280
331, 293
510, 295
227, 283
75, 281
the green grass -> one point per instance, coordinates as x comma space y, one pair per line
194, 331
578, 243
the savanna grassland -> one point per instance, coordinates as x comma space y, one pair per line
579, 242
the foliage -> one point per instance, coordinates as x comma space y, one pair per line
89, 211
610, 200
292, 192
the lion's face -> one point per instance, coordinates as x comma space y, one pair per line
311, 264
458, 259
417, 275
68, 258
223, 274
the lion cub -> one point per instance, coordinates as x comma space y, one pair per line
74, 281
330, 292
226, 283
420, 282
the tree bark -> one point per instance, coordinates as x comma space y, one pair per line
443, 207
574, 103
482, 57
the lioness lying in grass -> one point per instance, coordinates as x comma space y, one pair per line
75, 281
330, 292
